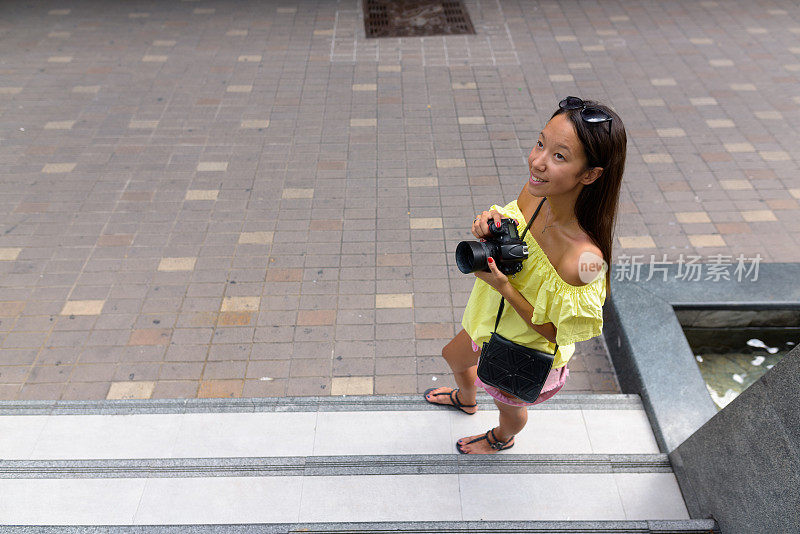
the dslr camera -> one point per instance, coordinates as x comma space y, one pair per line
504, 246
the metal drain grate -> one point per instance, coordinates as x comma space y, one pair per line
415, 18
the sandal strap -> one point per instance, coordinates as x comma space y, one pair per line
497, 445
477, 439
456, 402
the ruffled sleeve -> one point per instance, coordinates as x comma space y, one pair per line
577, 317
576, 311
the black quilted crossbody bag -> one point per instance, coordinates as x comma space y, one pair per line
514, 368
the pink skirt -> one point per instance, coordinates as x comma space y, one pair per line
555, 381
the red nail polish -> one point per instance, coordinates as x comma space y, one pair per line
490, 260
498, 225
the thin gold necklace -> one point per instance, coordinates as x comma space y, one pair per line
546, 226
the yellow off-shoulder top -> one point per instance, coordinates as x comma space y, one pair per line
576, 311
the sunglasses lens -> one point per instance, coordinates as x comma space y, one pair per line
571, 102
595, 115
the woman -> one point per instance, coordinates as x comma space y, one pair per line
575, 176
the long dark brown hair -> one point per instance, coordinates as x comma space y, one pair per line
596, 206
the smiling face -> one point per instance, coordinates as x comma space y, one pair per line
558, 160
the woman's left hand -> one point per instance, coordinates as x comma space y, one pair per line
495, 278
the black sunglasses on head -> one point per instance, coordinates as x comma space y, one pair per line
588, 113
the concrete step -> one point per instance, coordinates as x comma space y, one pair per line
692, 526
584, 463
309, 427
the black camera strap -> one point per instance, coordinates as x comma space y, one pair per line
502, 300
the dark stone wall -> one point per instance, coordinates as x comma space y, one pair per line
742, 467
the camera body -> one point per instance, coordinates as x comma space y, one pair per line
504, 246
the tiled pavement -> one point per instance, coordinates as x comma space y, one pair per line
251, 199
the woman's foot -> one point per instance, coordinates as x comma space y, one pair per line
450, 397
487, 443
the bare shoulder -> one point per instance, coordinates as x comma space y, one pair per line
582, 262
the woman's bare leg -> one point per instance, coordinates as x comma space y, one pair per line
512, 421
463, 361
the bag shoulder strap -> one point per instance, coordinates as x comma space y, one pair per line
535, 213
502, 300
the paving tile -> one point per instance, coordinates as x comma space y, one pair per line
131, 390
114, 240
83, 307
396, 300
422, 223
137, 196
671, 132
706, 240
316, 317
431, 181
55, 168
298, 193
657, 158
175, 389
255, 238
219, 389
775, 155
9, 254
663, 82
720, 123
202, 194
150, 336
450, 163
90, 89
739, 147
758, 215
59, 125
176, 264
212, 166
352, 385
735, 185
235, 318
363, 122
692, 217
312, 386
255, 123
395, 385
240, 304
643, 241
770, 115
284, 275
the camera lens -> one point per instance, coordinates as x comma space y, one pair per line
472, 256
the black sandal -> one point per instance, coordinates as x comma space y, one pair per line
497, 445
453, 398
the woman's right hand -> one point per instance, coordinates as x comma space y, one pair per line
480, 226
